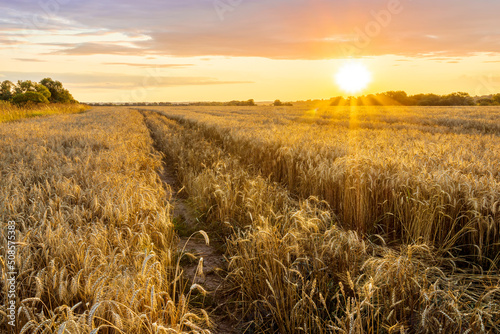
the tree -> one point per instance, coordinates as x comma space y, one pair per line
58, 93
370, 100
6, 90
457, 99
398, 96
427, 99
30, 96
337, 101
26, 86
496, 98
51, 91
278, 103
43, 90
486, 102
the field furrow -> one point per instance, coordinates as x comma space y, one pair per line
295, 265
252, 220
95, 242
376, 180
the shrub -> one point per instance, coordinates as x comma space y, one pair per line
33, 97
278, 103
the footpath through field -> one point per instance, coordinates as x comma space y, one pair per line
369, 225
202, 260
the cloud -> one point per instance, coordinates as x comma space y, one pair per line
157, 83
6, 42
151, 78
151, 65
31, 60
84, 49
280, 29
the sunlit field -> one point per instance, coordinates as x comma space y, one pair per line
95, 241
10, 112
327, 219
346, 219
410, 175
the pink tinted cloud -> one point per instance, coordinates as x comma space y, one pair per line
291, 29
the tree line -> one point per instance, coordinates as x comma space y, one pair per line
27, 91
402, 98
250, 102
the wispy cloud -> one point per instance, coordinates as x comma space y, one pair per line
157, 83
292, 29
151, 65
31, 60
123, 81
85, 49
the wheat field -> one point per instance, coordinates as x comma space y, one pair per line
95, 242
329, 219
10, 112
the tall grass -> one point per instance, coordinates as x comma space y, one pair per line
10, 112
96, 249
363, 220
295, 264
382, 170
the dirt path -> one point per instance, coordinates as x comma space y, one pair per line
214, 264
213, 261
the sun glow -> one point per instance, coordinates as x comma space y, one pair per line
353, 77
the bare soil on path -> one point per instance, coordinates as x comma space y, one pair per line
214, 263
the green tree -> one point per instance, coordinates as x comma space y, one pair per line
6, 90
26, 86
30, 97
43, 90
58, 94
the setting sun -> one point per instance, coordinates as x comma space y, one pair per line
353, 77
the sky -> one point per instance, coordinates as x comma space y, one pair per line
220, 50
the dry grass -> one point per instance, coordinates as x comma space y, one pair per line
96, 246
382, 170
363, 220
10, 112
403, 237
